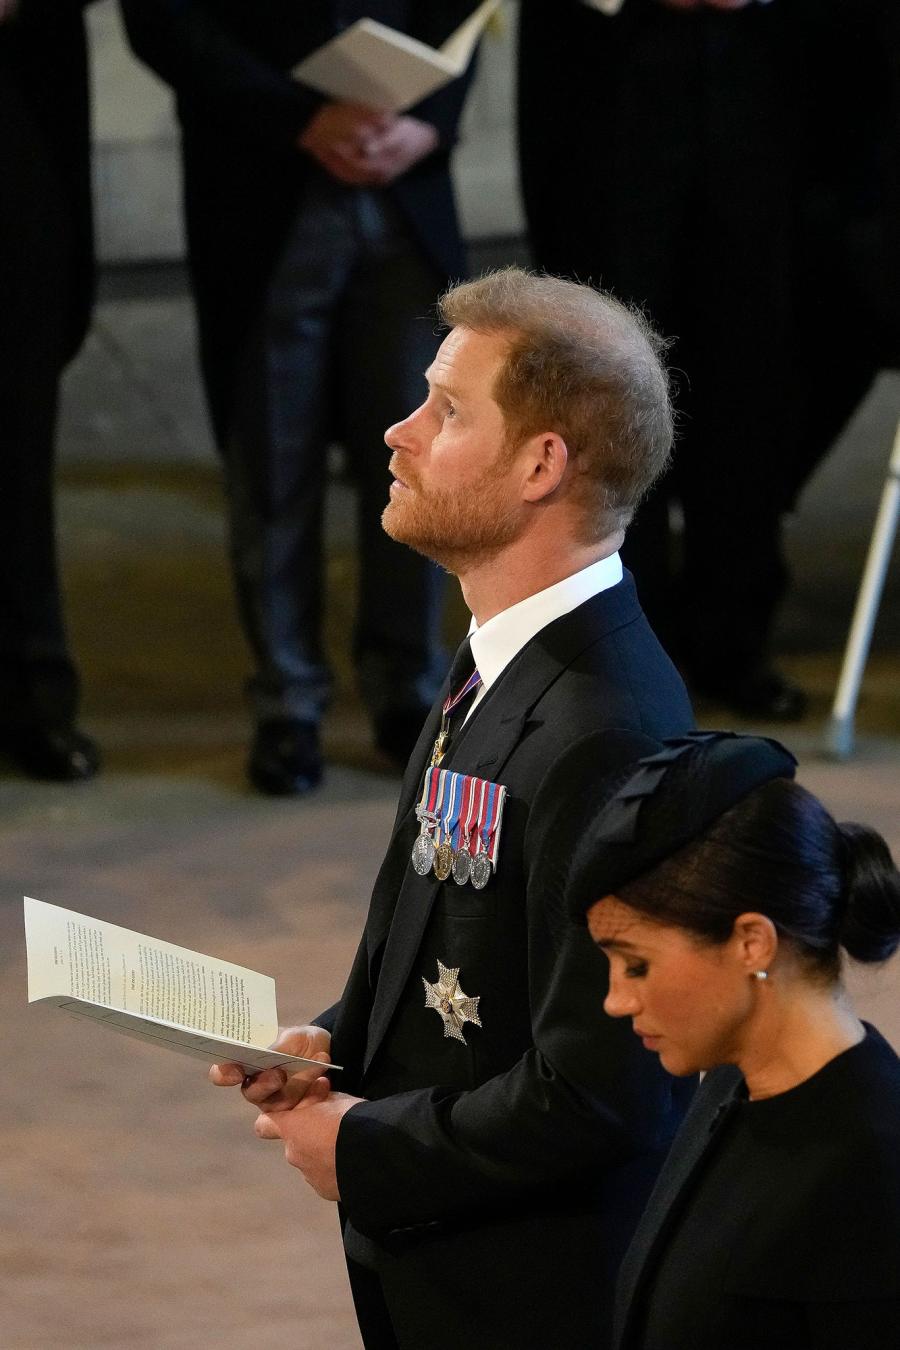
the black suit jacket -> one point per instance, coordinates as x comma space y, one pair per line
788, 1211
496, 1182
45, 170
229, 63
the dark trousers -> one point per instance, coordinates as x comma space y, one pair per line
713, 263
338, 351
38, 684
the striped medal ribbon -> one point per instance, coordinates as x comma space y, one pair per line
453, 700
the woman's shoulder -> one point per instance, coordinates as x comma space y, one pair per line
863, 1089
842, 1123
839, 1188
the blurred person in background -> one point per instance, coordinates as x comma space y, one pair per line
46, 294
732, 166
319, 234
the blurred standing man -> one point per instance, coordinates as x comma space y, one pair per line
46, 293
318, 233
733, 166
503, 1151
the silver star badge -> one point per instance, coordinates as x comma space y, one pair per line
449, 1001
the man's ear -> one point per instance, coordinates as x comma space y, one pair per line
545, 457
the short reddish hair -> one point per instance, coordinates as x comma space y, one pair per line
584, 365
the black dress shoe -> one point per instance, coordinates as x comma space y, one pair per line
55, 754
397, 731
764, 694
286, 757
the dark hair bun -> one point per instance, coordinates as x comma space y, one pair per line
870, 930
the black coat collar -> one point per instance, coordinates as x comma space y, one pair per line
711, 1107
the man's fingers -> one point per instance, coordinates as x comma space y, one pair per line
301, 1040
264, 1127
226, 1075
274, 1091
266, 1124
318, 1091
258, 1088
372, 117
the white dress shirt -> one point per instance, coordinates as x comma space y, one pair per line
496, 642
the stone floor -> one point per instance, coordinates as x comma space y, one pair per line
138, 1209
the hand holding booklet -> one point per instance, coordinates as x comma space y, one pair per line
168, 995
382, 68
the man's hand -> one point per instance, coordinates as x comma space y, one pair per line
309, 1134
274, 1089
401, 145
338, 136
365, 148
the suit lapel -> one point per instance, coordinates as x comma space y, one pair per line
709, 1112
481, 747
386, 890
420, 759
402, 925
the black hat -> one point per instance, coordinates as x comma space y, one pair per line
625, 823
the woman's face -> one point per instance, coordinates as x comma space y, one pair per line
689, 1001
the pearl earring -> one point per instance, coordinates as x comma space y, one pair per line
760, 974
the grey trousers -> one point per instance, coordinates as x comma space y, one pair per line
338, 353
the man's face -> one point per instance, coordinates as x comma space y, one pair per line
454, 496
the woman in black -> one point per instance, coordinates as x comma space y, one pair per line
724, 897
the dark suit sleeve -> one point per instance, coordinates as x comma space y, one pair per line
327, 1019
584, 1098
421, 1158
434, 23
184, 43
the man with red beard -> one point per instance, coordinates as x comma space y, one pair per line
491, 1137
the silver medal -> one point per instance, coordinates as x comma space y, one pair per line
462, 867
423, 854
423, 849
481, 871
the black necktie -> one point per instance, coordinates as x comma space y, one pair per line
462, 666
461, 672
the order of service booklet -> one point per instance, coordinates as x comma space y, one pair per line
376, 65
196, 1005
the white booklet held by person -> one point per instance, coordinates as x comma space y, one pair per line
376, 65
167, 995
